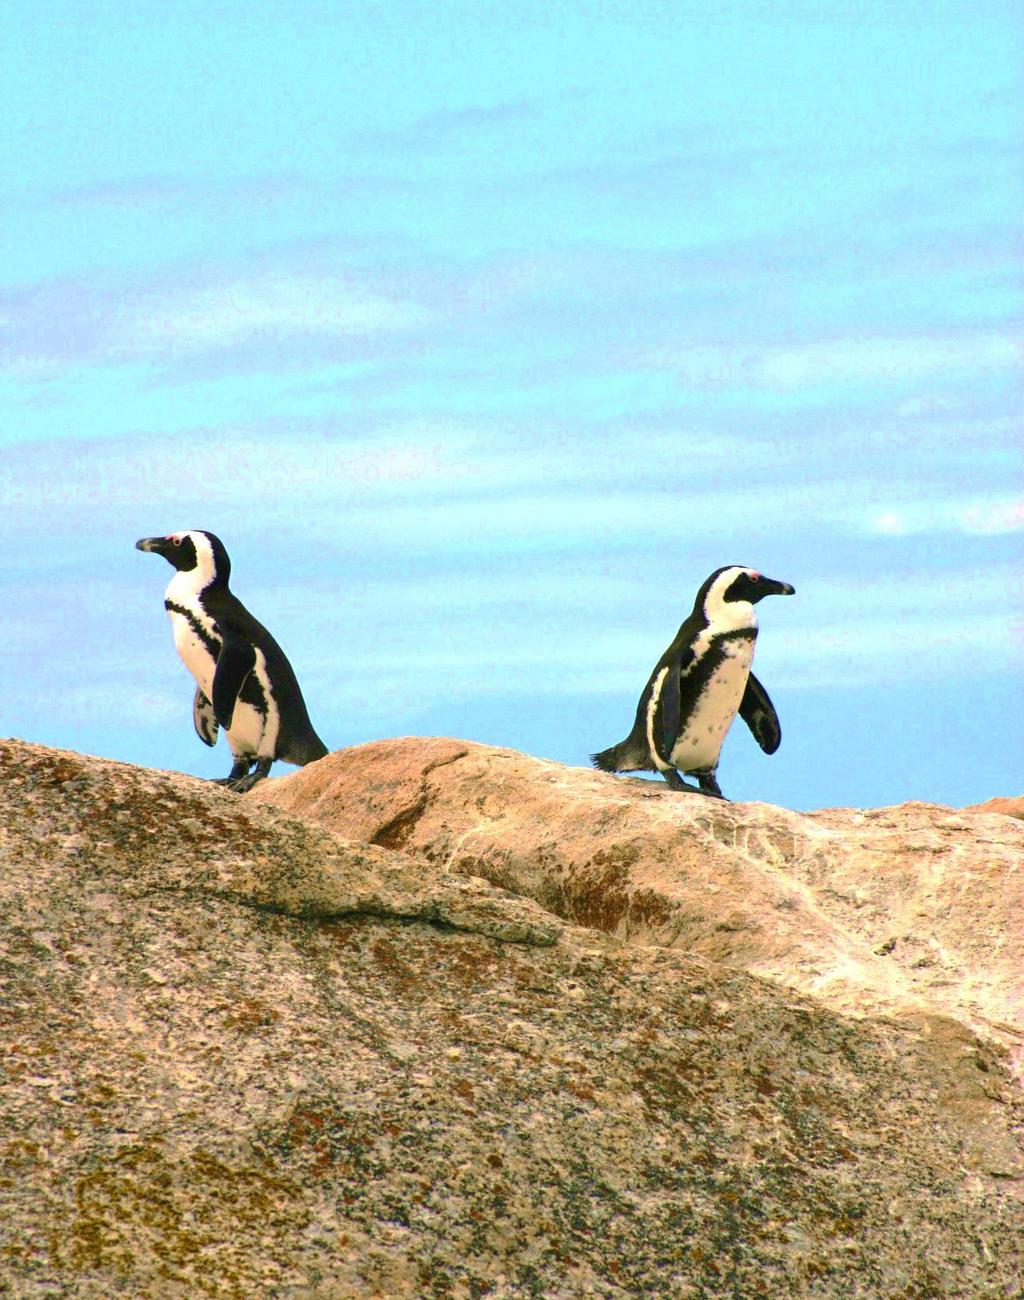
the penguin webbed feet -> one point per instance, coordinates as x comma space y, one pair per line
676, 782
246, 783
240, 779
708, 784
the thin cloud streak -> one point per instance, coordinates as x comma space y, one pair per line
852, 361
979, 517
98, 324
431, 484
554, 313
447, 128
278, 306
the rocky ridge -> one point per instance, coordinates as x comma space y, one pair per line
247, 1054
916, 908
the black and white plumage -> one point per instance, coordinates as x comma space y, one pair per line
699, 684
244, 683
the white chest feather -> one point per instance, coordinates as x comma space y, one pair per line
253, 730
700, 740
195, 637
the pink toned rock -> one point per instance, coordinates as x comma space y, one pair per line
242, 1056
908, 908
1012, 806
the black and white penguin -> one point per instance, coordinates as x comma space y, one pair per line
699, 684
244, 683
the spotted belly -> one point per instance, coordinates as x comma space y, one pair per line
254, 725
700, 742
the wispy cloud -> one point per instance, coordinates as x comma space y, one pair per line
451, 126
433, 482
280, 306
852, 361
904, 650
984, 516
101, 322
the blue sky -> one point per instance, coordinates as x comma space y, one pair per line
482, 334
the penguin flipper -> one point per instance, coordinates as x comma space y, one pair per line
671, 700
234, 665
204, 719
758, 712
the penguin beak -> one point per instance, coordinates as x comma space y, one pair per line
157, 544
769, 587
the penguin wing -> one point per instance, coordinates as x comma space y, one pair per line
204, 719
671, 698
758, 712
233, 666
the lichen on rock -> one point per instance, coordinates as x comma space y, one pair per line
243, 1055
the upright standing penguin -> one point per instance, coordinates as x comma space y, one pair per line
699, 684
244, 683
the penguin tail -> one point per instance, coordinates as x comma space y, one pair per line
623, 757
306, 750
605, 760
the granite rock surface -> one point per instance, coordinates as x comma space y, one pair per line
244, 1055
917, 907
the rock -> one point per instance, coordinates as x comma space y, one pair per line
1008, 807
909, 909
243, 1056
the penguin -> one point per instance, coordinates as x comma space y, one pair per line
244, 683
699, 684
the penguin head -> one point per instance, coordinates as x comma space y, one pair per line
729, 595
192, 551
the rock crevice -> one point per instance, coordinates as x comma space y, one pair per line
399, 829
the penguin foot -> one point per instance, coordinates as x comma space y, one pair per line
676, 782
239, 769
243, 783
709, 786
248, 779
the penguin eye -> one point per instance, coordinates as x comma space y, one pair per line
176, 541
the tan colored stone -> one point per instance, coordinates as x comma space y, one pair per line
241, 1056
914, 908
1012, 806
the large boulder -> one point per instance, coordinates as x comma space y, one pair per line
912, 908
244, 1056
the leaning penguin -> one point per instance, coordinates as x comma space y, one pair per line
244, 683
699, 684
